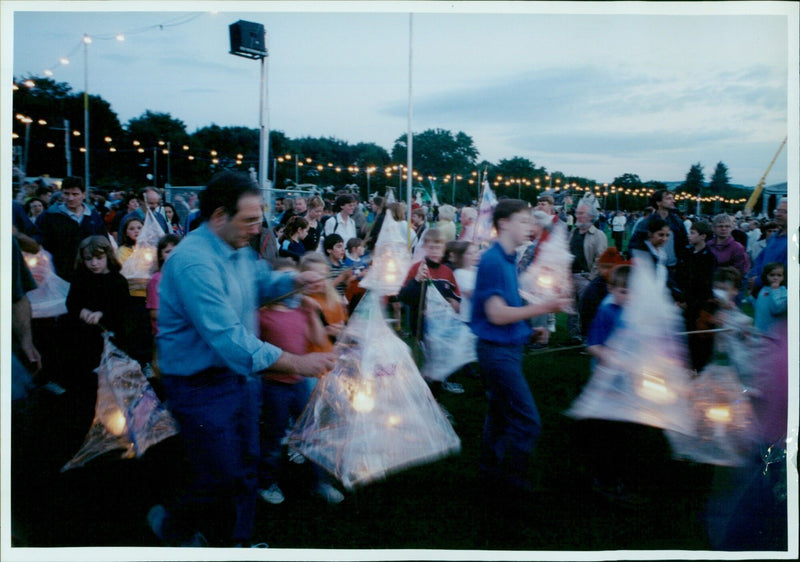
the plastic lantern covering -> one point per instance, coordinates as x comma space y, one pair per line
448, 343
373, 414
391, 260
141, 264
50, 296
128, 414
723, 420
648, 382
550, 274
484, 226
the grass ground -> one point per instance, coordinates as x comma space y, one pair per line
435, 506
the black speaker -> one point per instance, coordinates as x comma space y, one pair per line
248, 39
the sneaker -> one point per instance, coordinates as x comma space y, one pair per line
296, 457
452, 387
272, 495
54, 388
329, 493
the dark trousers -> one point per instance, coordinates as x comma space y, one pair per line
217, 411
512, 423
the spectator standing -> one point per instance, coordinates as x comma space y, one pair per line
66, 224
209, 353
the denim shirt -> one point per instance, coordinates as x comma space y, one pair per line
209, 295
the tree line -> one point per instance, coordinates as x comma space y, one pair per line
156, 149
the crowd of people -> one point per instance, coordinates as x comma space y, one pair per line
236, 292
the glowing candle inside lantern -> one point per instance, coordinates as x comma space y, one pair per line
654, 389
363, 402
545, 281
32, 261
720, 414
391, 277
393, 420
391, 266
115, 422
148, 256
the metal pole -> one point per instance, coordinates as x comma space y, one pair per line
27, 142
155, 166
169, 167
410, 137
454, 190
296, 171
68, 154
263, 157
86, 109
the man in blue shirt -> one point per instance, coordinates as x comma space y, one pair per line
210, 356
498, 319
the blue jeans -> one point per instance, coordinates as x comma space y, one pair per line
217, 411
512, 421
282, 402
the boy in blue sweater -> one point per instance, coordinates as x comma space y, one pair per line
499, 320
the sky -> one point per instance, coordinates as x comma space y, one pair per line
594, 94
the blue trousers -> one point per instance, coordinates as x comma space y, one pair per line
512, 423
282, 402
217, 411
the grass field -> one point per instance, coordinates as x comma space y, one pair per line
435, 506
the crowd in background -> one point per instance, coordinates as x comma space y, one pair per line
713, 264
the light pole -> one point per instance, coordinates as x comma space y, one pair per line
455, 177
86, 41
67, 154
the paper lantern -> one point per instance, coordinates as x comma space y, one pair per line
647, 381
373, 414
49, 299
549, 276
723, 420
128, 414
390, 262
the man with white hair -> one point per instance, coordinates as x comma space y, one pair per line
468, 218
586, 243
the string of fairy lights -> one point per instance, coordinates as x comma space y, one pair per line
400, 171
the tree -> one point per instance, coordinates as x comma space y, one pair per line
149, 136
438, 152
694, 179
719, 183
519, 174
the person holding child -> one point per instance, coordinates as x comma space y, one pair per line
499, 316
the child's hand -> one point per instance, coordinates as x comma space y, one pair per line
540, 335
91, 317
776, 284
422, 273
334, 329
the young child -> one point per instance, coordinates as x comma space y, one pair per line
464, 256
292, 328
130, 233
431, 268
333, 244
165, 246
334, 315
354, 256
98, 298
694, 276
291, 244
354, 259
770, 306
616, 476
498, 319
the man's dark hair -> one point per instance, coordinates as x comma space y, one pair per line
702, 228
656, 197
44, 189
73, 181
342, 200
507, 207
224, 191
